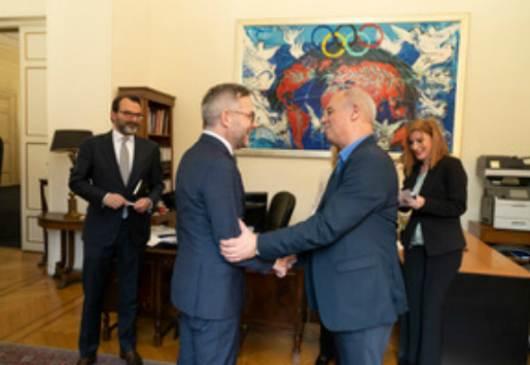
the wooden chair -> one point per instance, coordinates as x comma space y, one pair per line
43, 183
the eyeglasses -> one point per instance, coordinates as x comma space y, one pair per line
131, 115
250, 115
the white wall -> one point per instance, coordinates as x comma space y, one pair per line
79, 87
22, 8
79, 74
131, 43
193, 48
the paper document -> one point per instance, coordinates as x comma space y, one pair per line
163, 234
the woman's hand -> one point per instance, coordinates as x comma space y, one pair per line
415, 203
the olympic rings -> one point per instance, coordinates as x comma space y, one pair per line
373, 25
354, 34
361, 53
347, 43
315, 30
340, 52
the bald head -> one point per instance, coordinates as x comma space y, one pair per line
349, 115
364, 101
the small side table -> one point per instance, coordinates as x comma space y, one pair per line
64, 267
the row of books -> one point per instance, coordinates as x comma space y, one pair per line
158, 121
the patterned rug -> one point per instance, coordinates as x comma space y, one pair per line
15, 354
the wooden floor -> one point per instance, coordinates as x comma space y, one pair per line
34, 312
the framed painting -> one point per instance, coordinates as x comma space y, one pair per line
413, 67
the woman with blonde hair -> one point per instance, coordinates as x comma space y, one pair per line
435, 190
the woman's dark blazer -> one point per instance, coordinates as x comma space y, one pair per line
445, 193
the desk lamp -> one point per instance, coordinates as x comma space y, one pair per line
69, 140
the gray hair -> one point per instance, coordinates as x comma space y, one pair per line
219, 98
363, 100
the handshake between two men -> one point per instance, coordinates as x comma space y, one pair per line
244, 247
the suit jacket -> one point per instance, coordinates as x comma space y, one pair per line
353, 275
97, 173
209, 198
445, 193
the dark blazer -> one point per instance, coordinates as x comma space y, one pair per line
445, 193
209, 198
353, 275
97, 173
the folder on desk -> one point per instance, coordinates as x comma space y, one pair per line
162, 234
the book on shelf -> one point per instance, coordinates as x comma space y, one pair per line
158, 121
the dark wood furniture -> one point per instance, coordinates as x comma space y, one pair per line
271, 302
43, 183
157, 125
489, 234
275, 303
64, 268
156, 273
153, 296
487, 310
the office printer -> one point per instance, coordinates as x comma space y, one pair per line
506, 199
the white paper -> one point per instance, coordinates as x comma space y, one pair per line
162, 234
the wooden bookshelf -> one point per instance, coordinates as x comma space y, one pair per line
157, 124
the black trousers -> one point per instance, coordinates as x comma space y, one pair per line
97, 268
327, 347
428, 279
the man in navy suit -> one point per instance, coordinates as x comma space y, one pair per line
353, 275
209, 196
119, 174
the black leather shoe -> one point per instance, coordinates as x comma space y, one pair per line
323, 360
132, 358
86, 361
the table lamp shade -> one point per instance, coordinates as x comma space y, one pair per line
69, 140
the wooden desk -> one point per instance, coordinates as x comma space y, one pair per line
64, 267
276, 303
153, 293
487, 310
489, 234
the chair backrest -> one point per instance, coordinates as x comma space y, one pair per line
43, 201
280, 210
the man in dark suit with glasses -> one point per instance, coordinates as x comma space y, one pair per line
119, 175
208, 290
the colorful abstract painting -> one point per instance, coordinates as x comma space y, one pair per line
413, 68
